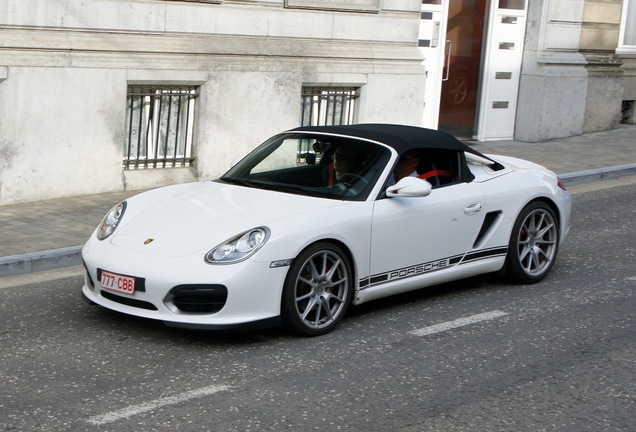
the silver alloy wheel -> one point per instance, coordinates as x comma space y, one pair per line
321, 289
537, 242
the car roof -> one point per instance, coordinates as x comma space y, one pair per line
401, 137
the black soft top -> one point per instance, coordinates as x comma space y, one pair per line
401, 137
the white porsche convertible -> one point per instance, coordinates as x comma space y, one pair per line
318, 218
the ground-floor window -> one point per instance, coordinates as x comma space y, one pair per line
325, 106
159, 126
627, 40
328, 106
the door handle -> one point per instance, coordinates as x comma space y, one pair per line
449, 44
473, 208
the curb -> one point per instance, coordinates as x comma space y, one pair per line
32, 262
595, 175
15, 265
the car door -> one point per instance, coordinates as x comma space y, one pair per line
413, 236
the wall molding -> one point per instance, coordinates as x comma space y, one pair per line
372, 6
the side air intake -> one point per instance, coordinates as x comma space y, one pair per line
489, 222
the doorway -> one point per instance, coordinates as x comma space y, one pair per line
461, 71
473, 52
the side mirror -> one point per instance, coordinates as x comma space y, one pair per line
409, 187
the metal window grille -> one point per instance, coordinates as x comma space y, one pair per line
328, 106
159, 126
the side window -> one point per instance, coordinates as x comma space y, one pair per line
440, 167
437, 166
159, 126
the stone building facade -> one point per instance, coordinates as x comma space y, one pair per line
67, 68
86, 85
579, 68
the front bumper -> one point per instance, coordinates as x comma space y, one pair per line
186, 291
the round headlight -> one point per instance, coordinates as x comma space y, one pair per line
238, 248
111, 220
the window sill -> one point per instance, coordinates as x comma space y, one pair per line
153, 178
626, 52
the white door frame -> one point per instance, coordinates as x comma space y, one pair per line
432, 43
501, 71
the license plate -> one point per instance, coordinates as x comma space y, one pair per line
117, 282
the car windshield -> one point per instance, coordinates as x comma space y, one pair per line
311, 164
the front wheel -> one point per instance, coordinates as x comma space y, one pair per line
534, 243
317, 290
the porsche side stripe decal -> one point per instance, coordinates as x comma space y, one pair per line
486, 253
431, 266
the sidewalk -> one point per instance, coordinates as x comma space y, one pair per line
49, 234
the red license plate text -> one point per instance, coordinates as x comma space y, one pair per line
117, 282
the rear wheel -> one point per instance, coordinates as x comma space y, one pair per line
317, 290
533, 244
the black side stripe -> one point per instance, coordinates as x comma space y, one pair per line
431, 266
487, 253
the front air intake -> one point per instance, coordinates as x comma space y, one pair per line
197, 299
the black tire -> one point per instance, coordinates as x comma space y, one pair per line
317, 290
534, 243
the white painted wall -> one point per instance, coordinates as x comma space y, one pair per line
60, 130
66, 65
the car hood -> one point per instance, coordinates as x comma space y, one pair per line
186, 219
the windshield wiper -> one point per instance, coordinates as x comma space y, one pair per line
300, 190
278, 187
251, 183
238, 181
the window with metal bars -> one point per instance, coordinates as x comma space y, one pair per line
325, 106
328, 106
159, 126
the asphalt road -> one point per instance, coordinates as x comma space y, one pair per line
477, 355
